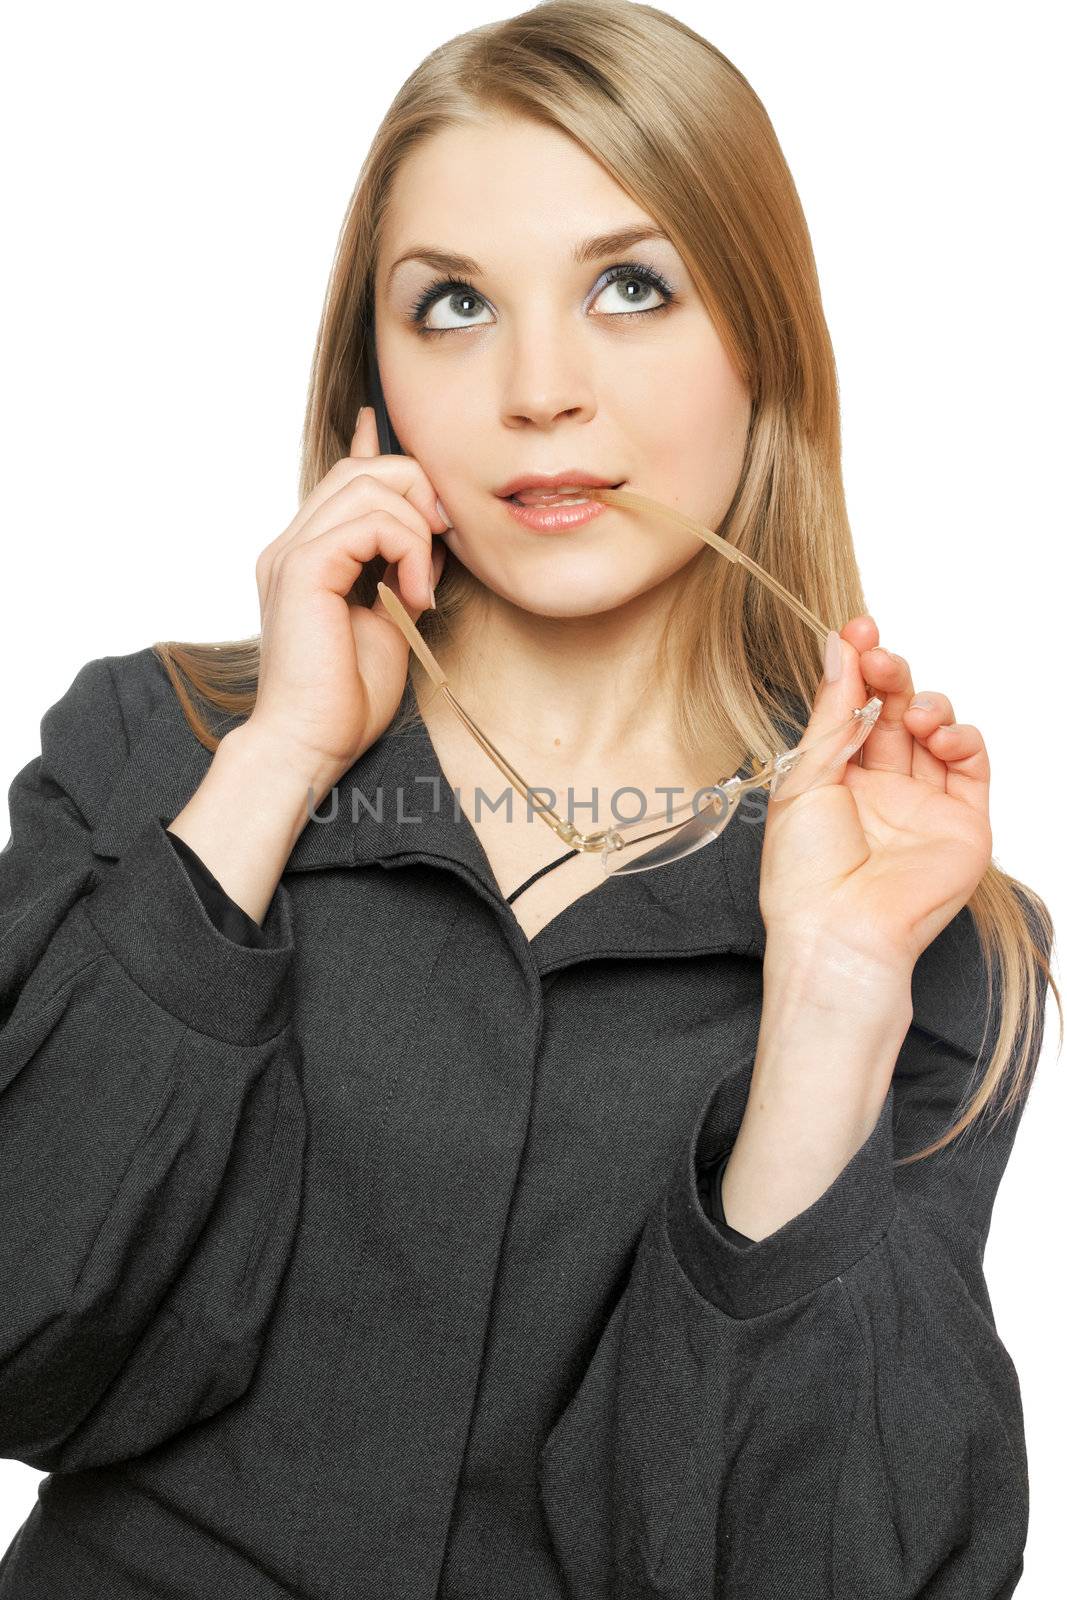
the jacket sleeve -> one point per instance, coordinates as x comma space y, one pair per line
826, 1411
152, 1125
709, 1190
226, 915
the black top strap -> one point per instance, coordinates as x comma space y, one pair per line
540, 874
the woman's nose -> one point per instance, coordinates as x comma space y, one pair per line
546, 378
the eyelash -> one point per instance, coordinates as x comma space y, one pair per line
420, 307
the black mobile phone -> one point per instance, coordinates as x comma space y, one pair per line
388, 442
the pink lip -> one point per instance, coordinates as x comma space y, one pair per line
558, 518
555, 480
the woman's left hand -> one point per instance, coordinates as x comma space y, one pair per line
869, 864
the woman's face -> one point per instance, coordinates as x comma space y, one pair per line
532, 362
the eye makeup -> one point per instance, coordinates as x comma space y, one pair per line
640, 272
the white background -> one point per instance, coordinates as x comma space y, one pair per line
175, 182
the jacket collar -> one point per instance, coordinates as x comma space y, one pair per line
405, 812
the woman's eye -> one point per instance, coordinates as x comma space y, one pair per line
626, 291
458, 300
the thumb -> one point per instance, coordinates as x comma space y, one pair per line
835, 733
841, 687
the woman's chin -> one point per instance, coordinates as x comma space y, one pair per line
573, 597
559, 581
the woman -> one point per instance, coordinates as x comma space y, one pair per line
397, 1204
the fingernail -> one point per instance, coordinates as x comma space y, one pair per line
922, 702
832, 656
359, 415
443, 514
433, 598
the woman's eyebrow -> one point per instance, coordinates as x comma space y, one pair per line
602, 244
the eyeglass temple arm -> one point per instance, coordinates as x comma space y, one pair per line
559, 825
635, 502
640, 502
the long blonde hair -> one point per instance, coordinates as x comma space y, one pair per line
684, 134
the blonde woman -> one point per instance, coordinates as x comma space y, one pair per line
396, 1202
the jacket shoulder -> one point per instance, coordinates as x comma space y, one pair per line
88, 733
140, 684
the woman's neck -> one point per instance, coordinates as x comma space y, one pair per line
581, 692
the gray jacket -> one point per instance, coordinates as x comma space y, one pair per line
371, 1261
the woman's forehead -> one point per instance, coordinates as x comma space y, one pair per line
476, 188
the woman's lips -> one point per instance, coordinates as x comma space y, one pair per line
551, 510
537, 497
555, 513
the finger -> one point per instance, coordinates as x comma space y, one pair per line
363, 492
342, 472
323, 507
403, 472
922, 720
365, 436
338, 556
832, 729
962, 750
438, 558
364, 448
889, 745
361, 496
862, 632
833, 695
389, 578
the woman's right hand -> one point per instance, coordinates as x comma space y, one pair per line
332, 671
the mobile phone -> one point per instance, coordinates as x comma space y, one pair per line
387, 439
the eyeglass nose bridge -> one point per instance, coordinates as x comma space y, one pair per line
728, 796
